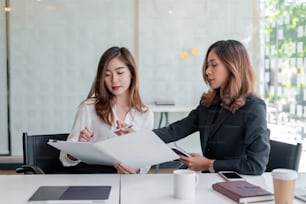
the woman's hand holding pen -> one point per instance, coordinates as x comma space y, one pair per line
197, 162
123, 128
86, 135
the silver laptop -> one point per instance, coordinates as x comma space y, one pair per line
96, 194
300, 193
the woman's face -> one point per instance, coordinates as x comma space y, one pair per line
216, 72
117, 77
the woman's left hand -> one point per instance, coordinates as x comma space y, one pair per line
197, 162
124, 169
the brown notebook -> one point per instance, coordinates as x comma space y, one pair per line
242, 191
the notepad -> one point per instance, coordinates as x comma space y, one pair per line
242, 191
71, 194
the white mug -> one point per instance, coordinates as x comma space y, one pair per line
184, 183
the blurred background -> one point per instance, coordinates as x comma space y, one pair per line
49, 51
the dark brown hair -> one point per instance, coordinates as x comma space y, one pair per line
241, 80
104, 98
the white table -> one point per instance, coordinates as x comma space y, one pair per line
130, 189
158, 188
17, 189
164, 110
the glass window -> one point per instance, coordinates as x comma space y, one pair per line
285, 66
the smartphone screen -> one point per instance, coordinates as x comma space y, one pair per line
231, 176
180, 151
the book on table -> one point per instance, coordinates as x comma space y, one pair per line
242, 191
137, 149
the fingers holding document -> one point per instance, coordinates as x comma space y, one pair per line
86, 135
125, 169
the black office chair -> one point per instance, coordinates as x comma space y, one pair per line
284, 155
41, 158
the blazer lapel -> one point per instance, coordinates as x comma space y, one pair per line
223, 114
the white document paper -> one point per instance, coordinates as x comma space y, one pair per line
138, 149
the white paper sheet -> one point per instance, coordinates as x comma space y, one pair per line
137, 149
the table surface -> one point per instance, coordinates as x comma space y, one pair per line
158, 188
17, 189
143, 188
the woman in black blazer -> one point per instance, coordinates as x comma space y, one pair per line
231, 119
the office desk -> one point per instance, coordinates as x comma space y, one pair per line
130, 189
158, 188
164, 110
17, 189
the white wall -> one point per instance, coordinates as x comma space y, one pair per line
167, 28
55, 49
3, 85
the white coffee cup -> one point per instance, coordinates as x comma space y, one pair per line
184, 183
284, 185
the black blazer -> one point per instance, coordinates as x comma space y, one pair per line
236, 141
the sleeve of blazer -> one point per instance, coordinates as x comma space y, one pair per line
179, 129
257, 144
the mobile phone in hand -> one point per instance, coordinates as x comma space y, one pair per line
230, 175
180, 151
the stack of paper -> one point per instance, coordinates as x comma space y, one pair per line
138, 149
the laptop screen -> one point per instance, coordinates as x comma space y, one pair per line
44, 193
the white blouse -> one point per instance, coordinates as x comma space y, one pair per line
87, 117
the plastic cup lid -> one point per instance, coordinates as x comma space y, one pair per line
284, 174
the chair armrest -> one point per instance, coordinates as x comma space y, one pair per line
26, 169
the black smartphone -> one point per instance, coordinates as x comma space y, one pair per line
230, 175
180, 151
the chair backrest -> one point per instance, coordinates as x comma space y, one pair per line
38, 153
284, 155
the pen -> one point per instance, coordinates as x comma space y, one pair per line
120, 129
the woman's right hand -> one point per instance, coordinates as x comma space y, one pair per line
197, 162
123, 128
86, 135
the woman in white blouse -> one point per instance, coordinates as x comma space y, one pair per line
113, 102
